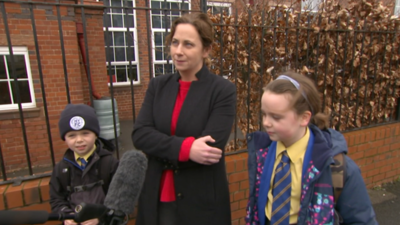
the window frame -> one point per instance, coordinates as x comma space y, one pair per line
111, 30
18, 50
220, 4
396, 8
162, 31
314, 3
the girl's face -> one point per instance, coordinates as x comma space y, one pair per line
280, 121
187, 50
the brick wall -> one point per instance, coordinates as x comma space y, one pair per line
48, 38
376, 151
21, 31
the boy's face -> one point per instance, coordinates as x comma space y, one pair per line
280, 121
80, 141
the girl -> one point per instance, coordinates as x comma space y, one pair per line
183, 127
289, 164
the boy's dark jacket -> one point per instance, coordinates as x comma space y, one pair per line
316, 203
61, 200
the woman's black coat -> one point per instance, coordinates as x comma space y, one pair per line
202, 192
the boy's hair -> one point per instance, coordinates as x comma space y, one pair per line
78, 117
305, 97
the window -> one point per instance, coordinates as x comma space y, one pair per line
162, 15
281, 10
8, 94
310, 5
219, 7
121, 45
397, 8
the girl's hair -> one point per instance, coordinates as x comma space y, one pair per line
305, 96
201, 22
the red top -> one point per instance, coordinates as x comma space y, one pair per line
167, 188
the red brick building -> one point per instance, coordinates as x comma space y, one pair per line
23, 21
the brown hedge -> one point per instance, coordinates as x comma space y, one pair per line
352, 54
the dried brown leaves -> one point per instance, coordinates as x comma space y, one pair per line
352, 53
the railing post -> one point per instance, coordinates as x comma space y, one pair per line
203, 6
398, 109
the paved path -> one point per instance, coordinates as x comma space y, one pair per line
386, 204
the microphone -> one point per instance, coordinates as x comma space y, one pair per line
126, 185
16, 217
123, 193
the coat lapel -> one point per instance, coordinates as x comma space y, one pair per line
167, 103
195, 99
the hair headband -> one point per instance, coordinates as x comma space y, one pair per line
297, 85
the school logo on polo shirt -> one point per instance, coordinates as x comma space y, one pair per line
77, 123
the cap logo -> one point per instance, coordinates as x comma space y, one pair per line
77, 123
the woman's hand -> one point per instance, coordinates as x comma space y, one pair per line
70, 222
202, 153
91, 222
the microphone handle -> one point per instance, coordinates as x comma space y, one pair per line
60, 217
106, 215
86, 211
116, 217
18, 217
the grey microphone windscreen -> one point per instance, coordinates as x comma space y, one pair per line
127, 182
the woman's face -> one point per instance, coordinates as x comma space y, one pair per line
187, 50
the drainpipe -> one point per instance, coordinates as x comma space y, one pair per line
81, 41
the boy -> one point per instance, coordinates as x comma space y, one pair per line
84, 174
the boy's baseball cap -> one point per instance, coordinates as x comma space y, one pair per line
78, 117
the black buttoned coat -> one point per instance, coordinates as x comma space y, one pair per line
202, 192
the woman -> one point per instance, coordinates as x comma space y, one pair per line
183, 127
